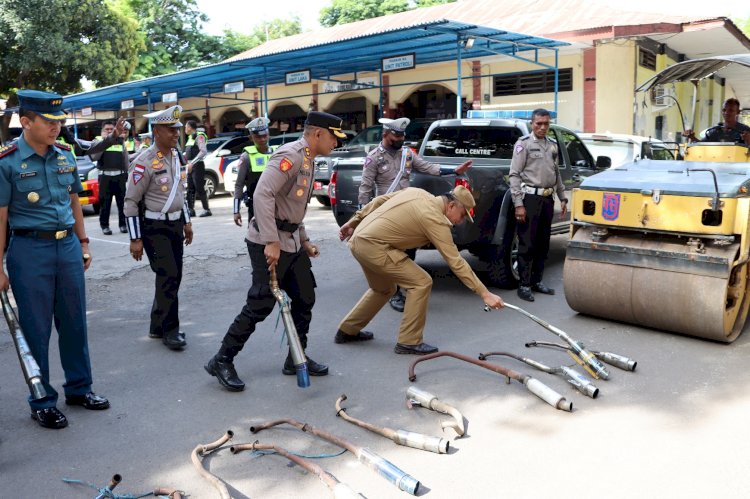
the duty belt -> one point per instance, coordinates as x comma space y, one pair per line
111, 173
43, 234
538, 191
157, 215
284, 225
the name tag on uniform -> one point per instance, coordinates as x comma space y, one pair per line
28, 174
306, 173
160, 172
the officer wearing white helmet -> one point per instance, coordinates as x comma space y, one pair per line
388, 168
157, 180
251, 164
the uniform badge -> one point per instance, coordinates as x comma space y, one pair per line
33, 197
368, 161
24, 166
139, 168
300, 192
61, 158
183, 176
159, 154
518, 148
155, 162
304, 181
137, 177
307, 152
158, 165
162, 180
306, 164
164, 188
285, 165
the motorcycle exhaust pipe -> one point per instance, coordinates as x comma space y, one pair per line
340, 490
571, 376
171, 493
383, 467
577, 350
116, 479
204, 449
613, 359
31, 372
401, 437
533, 385
295, 346
415, 396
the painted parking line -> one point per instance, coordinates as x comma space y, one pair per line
108, 241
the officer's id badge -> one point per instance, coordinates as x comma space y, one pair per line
28, 174
33, 197
307, 152
138, 172
285, 165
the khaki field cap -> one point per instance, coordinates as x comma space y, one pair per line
463, 196
169, 117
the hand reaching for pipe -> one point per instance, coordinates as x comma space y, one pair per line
492, 301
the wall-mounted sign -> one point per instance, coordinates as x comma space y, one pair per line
343, 86
86, 111
398, 62
234, 88
298, 77
127, 104
170, 97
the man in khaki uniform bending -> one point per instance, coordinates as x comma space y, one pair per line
379, 236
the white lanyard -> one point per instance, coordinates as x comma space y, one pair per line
175, 183
404, 153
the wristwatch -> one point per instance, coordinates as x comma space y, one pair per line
84, 240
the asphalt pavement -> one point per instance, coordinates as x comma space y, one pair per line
676, 427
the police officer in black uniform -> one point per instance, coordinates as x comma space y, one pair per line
195, 151
534, 178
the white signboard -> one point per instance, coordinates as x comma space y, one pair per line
399, 62
170, 97
127, 104
343, 86
298, 77
86, 111
234, 88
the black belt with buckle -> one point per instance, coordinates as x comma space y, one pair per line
43, 234
281, 225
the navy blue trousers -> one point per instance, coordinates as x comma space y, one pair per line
46, 277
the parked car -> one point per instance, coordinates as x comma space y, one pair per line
221, 152
89, 175
626, 148
230, 176
358, 147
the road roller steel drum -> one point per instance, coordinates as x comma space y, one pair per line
664, 244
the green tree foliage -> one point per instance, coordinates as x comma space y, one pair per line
347, 11
52, 44
233, 43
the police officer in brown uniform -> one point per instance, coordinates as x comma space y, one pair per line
379, 236
534, 178
157, 181
388, 168
276, 238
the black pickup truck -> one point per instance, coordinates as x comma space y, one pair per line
489, 144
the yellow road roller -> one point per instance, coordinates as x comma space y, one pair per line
665, 244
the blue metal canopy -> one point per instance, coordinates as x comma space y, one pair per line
430, 42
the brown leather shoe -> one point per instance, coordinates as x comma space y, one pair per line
342, 337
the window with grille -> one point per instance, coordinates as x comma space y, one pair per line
533, 82
647, 59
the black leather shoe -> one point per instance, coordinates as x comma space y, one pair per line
106, 231
191, 212
313, 368
90, 401
540, 287
342, 337
524, 293
398, 301
223, 369
123, 229
50, 417
174, 340
206, 213
420, 349
155, 335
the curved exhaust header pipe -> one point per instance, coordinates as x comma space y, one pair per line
415, 396
613, 359
202, 450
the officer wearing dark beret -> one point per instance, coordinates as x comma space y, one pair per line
276, 237
48, 251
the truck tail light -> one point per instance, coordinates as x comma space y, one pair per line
332, 188
465, 183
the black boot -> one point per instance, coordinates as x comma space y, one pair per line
398, 300
222, 367
313, 368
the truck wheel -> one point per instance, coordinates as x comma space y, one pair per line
324, 200
503, 265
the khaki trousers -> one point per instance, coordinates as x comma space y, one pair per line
384, 268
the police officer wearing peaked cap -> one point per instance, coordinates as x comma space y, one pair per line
251, 164
157, 180
276, 237
48, 252
388, 169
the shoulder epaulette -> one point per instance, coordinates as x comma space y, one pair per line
64, 147
525, 137
4, 151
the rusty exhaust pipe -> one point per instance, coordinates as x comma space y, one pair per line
295, 346
577, 350
613, 359
401, 437
415, 396
116, 479
171, 493
383, 467
340, 490
532, 384
573, 377
202, 450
